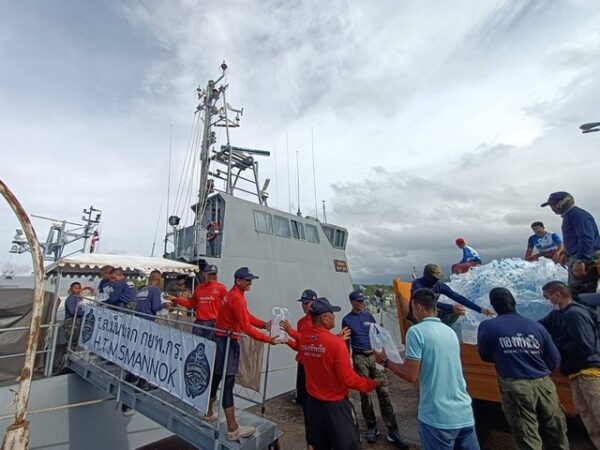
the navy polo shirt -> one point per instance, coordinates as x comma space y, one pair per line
358, 324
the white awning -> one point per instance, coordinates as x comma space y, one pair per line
90, 264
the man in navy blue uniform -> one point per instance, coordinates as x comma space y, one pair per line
122, 292
581, 241
431, 279
524, 355
363, 359
574, 330
148, 299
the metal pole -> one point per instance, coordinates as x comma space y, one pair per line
264, 396
17, 434
54, 335
229, 186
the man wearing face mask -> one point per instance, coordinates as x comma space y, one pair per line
330, 419
581, 241
431, 279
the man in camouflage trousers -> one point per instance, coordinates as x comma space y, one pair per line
363, 359
524, 355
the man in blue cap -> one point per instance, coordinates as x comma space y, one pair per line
234, 318
330, 419
581, 241
206, 300
363, 359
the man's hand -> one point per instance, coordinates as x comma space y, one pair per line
487, 311
459, 310
380, 357
578, 270
345, 333
562, 258
273, 340
285, 326
170, 297
267, 325
167, 305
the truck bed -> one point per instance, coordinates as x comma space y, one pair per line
481, 377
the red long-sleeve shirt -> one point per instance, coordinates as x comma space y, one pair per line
235, 316
303, 324
326, 360
207, 298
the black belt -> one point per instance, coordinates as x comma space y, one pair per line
358, 352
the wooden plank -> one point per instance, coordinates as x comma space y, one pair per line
482, 379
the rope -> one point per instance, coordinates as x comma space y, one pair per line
58, 408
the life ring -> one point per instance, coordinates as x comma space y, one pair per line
212, 231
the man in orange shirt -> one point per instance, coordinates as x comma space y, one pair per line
207, 299
307, 298
232, 320
330, 419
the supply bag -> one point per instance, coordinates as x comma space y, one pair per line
381, 339
279, 314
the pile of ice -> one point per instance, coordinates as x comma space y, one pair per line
524, 279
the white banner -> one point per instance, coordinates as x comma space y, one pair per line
175, 361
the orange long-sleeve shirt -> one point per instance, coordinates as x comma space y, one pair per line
235, 316
207, 298
303, 324
329, 374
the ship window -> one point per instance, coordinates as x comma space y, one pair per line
298, 230
264, 223
282, 226
329, 232
340, 238
312, 233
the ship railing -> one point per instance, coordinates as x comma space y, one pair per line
21, 329
76, 352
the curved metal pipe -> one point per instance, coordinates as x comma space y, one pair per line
17, 434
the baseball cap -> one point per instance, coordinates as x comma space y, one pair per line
356, 296
243, 273
211, 268
322, 305
308, 295
434, 270
460, 241
555, 197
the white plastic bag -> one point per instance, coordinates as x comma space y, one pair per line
279, 314
381, 339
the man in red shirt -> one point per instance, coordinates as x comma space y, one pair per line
330, 419
207, 300
307, 298
233, 319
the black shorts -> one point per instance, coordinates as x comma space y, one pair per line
233, 360
331, 425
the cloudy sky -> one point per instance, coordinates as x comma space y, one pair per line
431, 120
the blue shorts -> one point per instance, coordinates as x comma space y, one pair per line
454, 439
233, 360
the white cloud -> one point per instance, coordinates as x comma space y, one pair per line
430, 120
